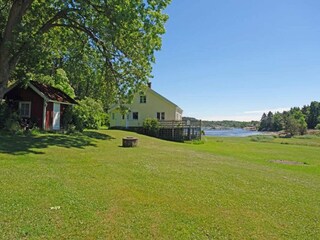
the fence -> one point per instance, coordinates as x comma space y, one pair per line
179, 130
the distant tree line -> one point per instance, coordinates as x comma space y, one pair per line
225, 124
296, 121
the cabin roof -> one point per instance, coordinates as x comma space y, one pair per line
52, 93
48, 92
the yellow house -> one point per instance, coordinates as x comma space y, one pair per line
148, 104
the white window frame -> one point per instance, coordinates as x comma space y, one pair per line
161, 115
29, 110
143, 99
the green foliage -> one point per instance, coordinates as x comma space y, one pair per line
318, 126
67, 120
151, 125
277, 122
88, 113
294, 122
106, 48
9, 121
267, 122
58, 80
3, 113
61, 82
314, 114
263, 123
261, 138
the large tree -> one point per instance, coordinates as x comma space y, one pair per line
115, 40
313, 114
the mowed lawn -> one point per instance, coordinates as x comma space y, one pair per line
87, 186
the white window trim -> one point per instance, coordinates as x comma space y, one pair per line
25, 102
144, 98
160, 116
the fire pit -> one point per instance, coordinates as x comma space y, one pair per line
129, 142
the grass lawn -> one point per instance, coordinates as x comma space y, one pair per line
88, 187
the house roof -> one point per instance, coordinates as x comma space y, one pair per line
49, 93
52, 93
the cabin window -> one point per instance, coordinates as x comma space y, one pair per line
113, 116
161, 115
123, 116
135, 115
143, 99
25, 109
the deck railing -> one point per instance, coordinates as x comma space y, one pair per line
180, 130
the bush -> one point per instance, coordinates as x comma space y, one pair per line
318, 126
9, 121
3, 113
295, 123
262, 138
151, 126
88, 113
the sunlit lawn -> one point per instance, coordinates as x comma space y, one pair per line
88, 187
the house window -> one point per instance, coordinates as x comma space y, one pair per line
113, 116
135, 115
143, 99
123, 116
161, 116
25, 109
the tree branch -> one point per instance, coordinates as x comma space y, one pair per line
17, 10
60, 15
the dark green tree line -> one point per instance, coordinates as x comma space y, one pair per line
296, 121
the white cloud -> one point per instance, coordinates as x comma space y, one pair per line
267, 110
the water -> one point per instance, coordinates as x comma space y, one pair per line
234, 132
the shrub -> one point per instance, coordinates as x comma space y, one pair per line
151, 126
3, 113
318, 126
88, 113
9, 121
295, 123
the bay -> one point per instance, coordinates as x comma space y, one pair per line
234, 132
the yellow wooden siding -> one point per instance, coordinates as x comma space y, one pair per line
154, 103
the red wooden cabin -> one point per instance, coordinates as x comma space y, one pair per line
39, 103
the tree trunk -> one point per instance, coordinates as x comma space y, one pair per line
4, 76
8, 62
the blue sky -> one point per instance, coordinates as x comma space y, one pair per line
234, 59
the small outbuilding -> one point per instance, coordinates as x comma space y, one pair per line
39, 104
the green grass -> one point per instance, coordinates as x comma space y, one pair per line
56, 186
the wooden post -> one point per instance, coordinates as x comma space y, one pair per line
200, 130
172, 130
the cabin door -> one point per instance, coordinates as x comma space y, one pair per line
56, 116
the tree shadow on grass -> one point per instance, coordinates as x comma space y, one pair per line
21, 144
97, 135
